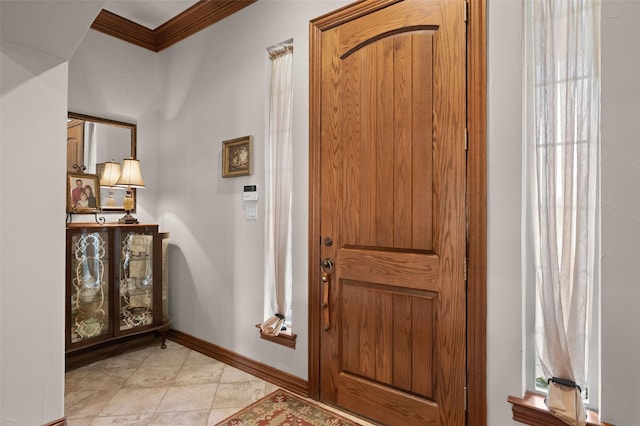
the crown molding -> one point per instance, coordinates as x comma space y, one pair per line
194, 19
124, 29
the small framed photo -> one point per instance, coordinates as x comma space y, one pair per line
237, 157
83, 193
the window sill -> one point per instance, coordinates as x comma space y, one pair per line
285, 338
531, 410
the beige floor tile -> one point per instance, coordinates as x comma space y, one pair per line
134, 401
219, 414
169, 356
155, 387
77, 373
73, 378
102, 379
238, 394
194, 374
173, 345
86, 403
183, 418
188, 398
131, 420
153, 375
131, 359
198, 358
86, 421
232, 374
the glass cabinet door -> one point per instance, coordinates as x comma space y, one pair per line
165, 276
136, 280
89, 286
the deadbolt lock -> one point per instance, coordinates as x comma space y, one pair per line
327, 265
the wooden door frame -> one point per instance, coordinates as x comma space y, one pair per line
476, 197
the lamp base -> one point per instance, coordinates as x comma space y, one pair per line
111, 200
128, 219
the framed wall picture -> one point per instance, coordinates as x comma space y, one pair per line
83, 193
237, 157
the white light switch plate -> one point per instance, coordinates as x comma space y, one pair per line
251, 212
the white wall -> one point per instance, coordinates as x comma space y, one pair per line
620, 212
32, 215
37, 38
620, 365
504, 154
217, 84
112, 79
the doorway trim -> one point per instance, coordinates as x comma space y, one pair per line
476, 197
477, 213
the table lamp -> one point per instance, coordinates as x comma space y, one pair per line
131, 177
109, 177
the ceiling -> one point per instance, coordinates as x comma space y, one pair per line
156, 25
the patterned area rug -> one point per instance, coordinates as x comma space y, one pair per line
282, 408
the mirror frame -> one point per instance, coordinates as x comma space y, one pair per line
134, 131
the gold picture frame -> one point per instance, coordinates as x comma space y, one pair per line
237, 157
77, 184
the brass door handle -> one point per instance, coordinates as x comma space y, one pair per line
326, 265
325, 301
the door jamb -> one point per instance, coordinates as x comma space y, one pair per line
476, 198
477, 213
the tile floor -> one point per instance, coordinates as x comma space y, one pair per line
152, 386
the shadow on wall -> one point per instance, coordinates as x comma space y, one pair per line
200, 298
179, 275
20, 65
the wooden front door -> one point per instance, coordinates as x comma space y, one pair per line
388, 200
75, 145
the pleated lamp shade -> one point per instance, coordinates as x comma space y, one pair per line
110, 174
131, 177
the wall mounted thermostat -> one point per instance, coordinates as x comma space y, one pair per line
250, 193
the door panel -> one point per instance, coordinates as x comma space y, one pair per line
405, 269
394, 350
378, 92
392, 199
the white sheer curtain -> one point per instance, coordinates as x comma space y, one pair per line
90, 147
279, 191
562, 104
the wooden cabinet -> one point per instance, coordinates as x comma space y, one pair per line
115, 286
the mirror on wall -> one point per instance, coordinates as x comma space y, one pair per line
92, 143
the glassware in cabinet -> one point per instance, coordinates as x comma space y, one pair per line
90, 293
136, 280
